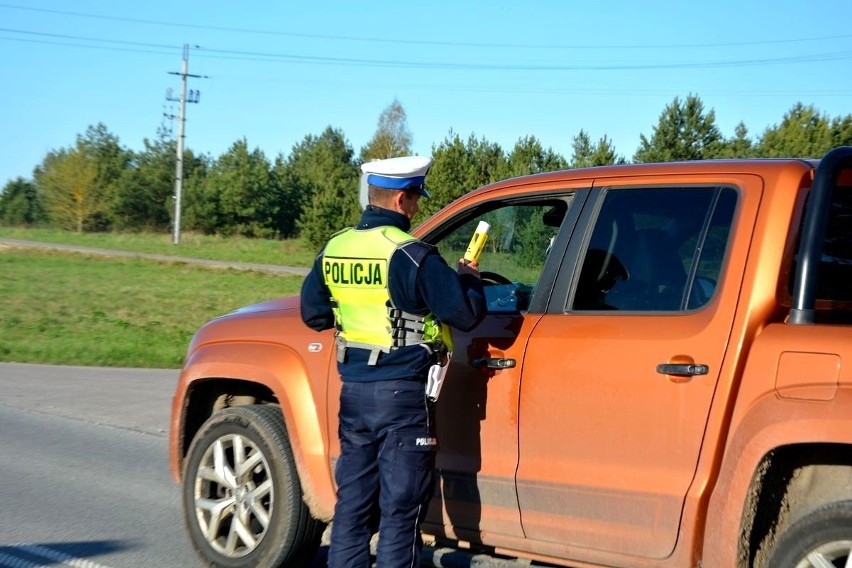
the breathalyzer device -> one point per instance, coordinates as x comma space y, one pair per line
477, 242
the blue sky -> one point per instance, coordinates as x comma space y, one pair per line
278, 70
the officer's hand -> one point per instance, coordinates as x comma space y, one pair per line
471, 268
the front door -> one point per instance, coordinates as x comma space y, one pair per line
477, 412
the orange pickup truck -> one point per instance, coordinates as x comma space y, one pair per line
659, 381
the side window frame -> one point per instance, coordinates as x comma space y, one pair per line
567, 281
575, 198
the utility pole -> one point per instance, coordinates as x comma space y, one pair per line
193, 97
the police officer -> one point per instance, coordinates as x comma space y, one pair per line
391, 298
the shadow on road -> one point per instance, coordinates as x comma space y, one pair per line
50, 553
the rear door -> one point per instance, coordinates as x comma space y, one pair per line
619, 373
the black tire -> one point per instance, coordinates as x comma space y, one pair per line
823, 537
254, 515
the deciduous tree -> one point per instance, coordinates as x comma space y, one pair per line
392, 137
68, 181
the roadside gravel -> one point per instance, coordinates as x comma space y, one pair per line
297, 270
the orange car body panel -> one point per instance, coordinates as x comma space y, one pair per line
281, 360
582, 453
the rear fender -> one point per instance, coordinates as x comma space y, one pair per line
770, 423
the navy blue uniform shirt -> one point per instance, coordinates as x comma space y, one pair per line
419, 281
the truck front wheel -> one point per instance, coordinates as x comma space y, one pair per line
241, 493
821, 538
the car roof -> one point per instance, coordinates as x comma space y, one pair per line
754, 165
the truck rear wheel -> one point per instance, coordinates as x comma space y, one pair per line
819, 539
241, 493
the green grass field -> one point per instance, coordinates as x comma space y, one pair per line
75, 309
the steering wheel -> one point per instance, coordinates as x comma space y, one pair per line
494, 277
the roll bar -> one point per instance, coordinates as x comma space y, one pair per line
813, 233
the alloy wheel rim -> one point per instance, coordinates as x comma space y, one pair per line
233, 495
828, 554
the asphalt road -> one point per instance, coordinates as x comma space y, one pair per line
85, 478
85, 469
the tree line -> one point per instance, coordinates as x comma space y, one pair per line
98, 185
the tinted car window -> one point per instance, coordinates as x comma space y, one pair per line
656, 249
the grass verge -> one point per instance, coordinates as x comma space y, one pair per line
73, 309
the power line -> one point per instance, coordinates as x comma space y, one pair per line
212, 53
92, 39
426, 42
68, 44
320, 60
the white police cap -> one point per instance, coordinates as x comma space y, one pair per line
406, 172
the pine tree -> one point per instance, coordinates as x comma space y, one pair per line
322, 171
20, 204
587, 154
242, 195
803, 133
684, 132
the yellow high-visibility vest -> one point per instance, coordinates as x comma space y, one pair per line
355, 269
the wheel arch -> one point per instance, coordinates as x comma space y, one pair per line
779, 462
225, 375
790, 482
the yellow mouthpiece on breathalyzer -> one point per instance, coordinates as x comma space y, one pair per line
477, 242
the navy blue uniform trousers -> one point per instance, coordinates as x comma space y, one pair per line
385, 474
